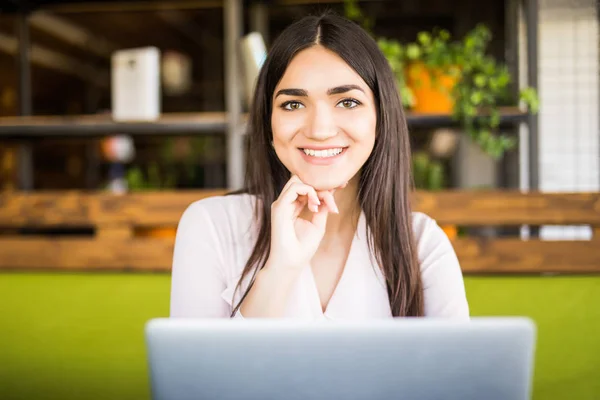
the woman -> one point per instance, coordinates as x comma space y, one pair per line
325, 228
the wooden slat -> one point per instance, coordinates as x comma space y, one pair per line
80, 209
532, 256
509, 207
114, 232
476, 256
8, 166
165, 208
85, 254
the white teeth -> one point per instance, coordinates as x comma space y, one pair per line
323, 153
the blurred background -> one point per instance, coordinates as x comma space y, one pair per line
116, 115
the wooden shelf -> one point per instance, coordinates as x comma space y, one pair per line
508, 115
174, 124
94, 125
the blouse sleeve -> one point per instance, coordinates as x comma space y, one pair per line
443, 284
197, 279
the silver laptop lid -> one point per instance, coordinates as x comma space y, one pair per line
416, 359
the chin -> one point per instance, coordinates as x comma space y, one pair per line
322, 182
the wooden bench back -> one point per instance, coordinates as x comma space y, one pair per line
104, 231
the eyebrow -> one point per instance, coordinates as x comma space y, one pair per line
332, 91
293, 92
344, 89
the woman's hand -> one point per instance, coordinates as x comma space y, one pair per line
294, 240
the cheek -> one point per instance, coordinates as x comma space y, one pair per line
284, 130
361, 128
284, 127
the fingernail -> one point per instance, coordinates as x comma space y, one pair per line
315, 208
335, 209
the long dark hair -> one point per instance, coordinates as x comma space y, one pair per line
385, 178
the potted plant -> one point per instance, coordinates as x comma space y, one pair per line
429, 174
441, 75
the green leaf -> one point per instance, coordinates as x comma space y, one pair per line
480, 80
494, 118
484, 137
530, 98
424, 38
413, 51
469, 110
476, 98
436, 176
408, 97
503, 79
470, 43
508, 142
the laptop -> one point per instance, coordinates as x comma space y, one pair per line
396, 358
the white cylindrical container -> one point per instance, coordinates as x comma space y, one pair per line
135, 84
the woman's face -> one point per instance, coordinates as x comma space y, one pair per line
324, 119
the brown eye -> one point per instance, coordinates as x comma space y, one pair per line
292, 105
348, 103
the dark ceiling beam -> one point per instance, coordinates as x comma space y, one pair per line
54, 60
120, 6
72, 33
179, 21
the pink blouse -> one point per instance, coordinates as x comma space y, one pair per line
216, 235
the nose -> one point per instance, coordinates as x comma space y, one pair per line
322, 124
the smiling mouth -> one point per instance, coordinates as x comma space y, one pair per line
325, 153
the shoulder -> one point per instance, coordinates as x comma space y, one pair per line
209, 252
219, 209
440, 270
429, 236
432, 243
226, 216
225, 206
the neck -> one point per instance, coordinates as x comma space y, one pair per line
346, 200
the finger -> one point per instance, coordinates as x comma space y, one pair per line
300, 204
311, 194
293, 179
329, 201
299, 189
296, 180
